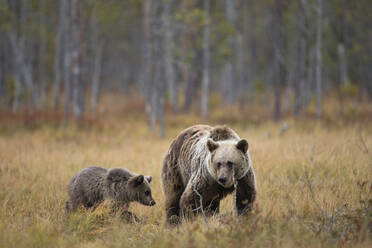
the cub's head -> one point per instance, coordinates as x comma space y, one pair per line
140, 187
228, 159
124, 186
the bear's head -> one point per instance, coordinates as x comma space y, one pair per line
141, 189
227, 160
124, 186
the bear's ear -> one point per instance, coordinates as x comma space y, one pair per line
115, 175
242, 145
211, 145
136, 180
148, 178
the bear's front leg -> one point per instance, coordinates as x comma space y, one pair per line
190, 201
246, 193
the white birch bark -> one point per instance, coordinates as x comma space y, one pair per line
169, 63
318, 58
228, 73
206, 61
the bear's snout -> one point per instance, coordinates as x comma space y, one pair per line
222, 180
152, 203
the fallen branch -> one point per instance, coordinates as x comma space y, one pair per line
235, 210
201, 206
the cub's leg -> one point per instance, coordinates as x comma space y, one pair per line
246, 193
173, 189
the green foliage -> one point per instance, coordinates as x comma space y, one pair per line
5, 17
260, 86
349, 89
225, 32
117, 26
10, 87
107, 14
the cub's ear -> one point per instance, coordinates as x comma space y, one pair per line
136, 180
211, 145
242, 145
148, 178
115, 175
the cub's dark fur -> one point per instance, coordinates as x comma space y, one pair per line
93, 185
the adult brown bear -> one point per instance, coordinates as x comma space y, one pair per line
205, 161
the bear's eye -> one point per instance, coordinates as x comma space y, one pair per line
230, 164
147, 193
218, 165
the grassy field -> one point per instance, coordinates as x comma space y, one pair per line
314, 185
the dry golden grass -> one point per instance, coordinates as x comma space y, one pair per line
314, 187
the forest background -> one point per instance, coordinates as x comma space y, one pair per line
112, 82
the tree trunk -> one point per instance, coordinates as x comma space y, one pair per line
318, 58
3, 89
342, 74
96, 87
248, 53
158, 85
17, 88
147, 60
42, 53
78, 99
310, 76
277, 73
228, 74
169, 64
60, 52
22, 66
188, 72
300, 65
158, 90
206, 58
97, 45
67, 63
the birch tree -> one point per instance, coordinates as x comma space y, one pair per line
42, 53
61, 46
318, 57
169, 60
78, 89
206, 59
21, 63
229, 73
97, 66
67, 62
147, 60
277, 50
299, 80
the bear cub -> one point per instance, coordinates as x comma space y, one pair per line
93, 185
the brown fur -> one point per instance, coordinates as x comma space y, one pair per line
185, 169
92, 185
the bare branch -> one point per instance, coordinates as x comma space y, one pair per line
201, 206
312, 195
364, 148
235, 210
